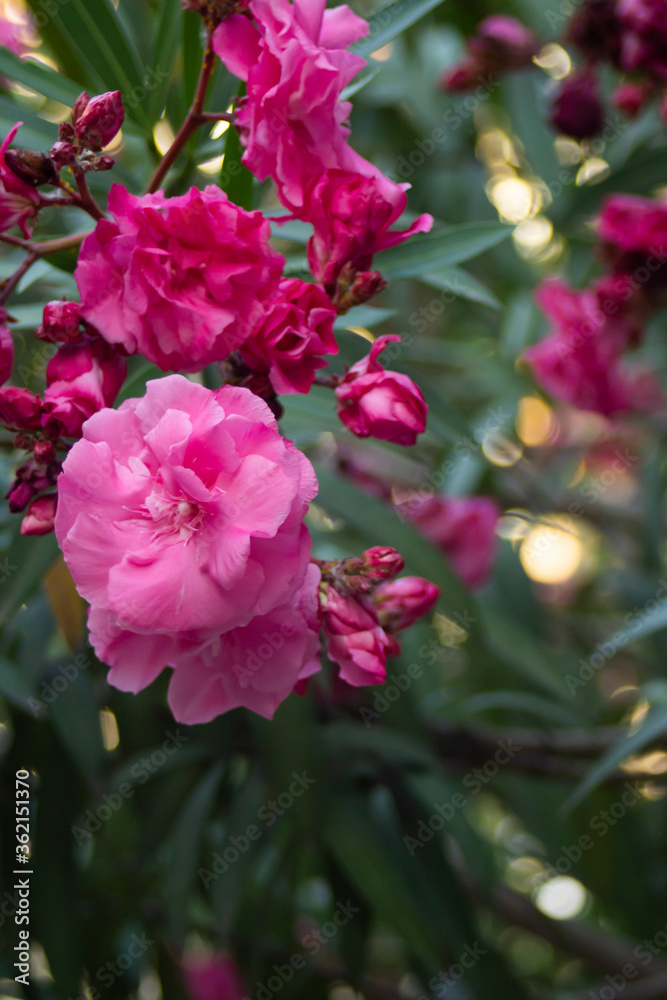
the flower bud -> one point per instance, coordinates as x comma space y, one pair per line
80, 105
100, 121
366, 284
630, 98
67, 132
44, 452
101, 163
41, 515
382, 562
20, 495
33, 168
19, 409
63, 154
577, 110
60, 323
400, 603
81, 379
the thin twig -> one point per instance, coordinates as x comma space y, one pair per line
10, 283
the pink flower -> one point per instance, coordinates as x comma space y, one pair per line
41, 515
630, 98
502, 42
6, 348
60, 323
355, 639
19, 408
181, 280
296, 64
463, 527
99, 120
644, 36
212, 977
181, 519
351, 214
579, 360
296, 331
17, 34
400, 603
19, 201
596, 32
634, 224
577, 110
81, 379
376, 403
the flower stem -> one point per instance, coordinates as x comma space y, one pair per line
195, 117
9, 284
86, 200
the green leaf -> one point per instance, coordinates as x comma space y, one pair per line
23, 567
169, 19
463, 284
654, 725
522, 651
39, 77
360, 82
235, 179
15, 685
75, 714
390, 22
440, 249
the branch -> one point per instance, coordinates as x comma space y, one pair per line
86, 200
9, 284
195, 118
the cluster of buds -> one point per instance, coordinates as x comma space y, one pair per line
215, 12
363, 606
94, 124
353, 288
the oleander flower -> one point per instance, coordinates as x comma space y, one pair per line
183, 280
355, 639
296, 331
80, 380
212, 977
464, 528
351, 215
19, 201
643, 30
180, 516
374, 402
634, 224
296, 64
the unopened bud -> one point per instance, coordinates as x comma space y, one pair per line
100, 121
80, 105
102, 163
44, 452
62, 155
40, 517
60, 323
382, 562
67, 132
19, 409
33, 168
399, 603
366, 284
20, 495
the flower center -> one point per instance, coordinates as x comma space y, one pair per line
174, 515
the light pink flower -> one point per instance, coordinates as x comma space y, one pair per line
212, 977
296, 64
183, 280
80, 380
355, 639
373, 402
463, 527
296, 331
181, 519
19, 201
6, 348
352, 213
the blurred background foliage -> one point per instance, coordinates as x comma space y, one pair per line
494, 865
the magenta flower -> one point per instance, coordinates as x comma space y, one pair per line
19, 201
577, 109
19, 408
296, 64
6, 348
643, 25
464, 528
181, 519
80, 380
60, 323
634, 224
296, 331
373, 402
212, 977
183, 280
352, 214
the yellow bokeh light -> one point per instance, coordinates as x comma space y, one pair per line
449, 632
533, 235
213, 166
592, 171
554, 60
361, 331
163, 136
514, 198
568, 150
496, 148
650, 763
219, 129
535, 423
552, 552
561, 898
109, 727
500, 450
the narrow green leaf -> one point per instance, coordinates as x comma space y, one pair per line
75, 714
235, 179
440, 249
22, 567
15, 685
360, 82
169, 19
463, 284
39, 77
390, 22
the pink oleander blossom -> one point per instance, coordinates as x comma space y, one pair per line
19, 200
180, 516
634, 224
182, 280
643, 30
374, 402
464, 528
296, 331
352, 214
212, 977
296, 64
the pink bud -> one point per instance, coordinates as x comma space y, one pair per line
80, 105
44, 452
382, 404
20, 495
40, 517
60, 323
630, 98
356, 642
399, 603
67, 132
62, 155
81, 379
461, 77
365, 286
6, 348
577, 110
382, 562
100, 121
19, 409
